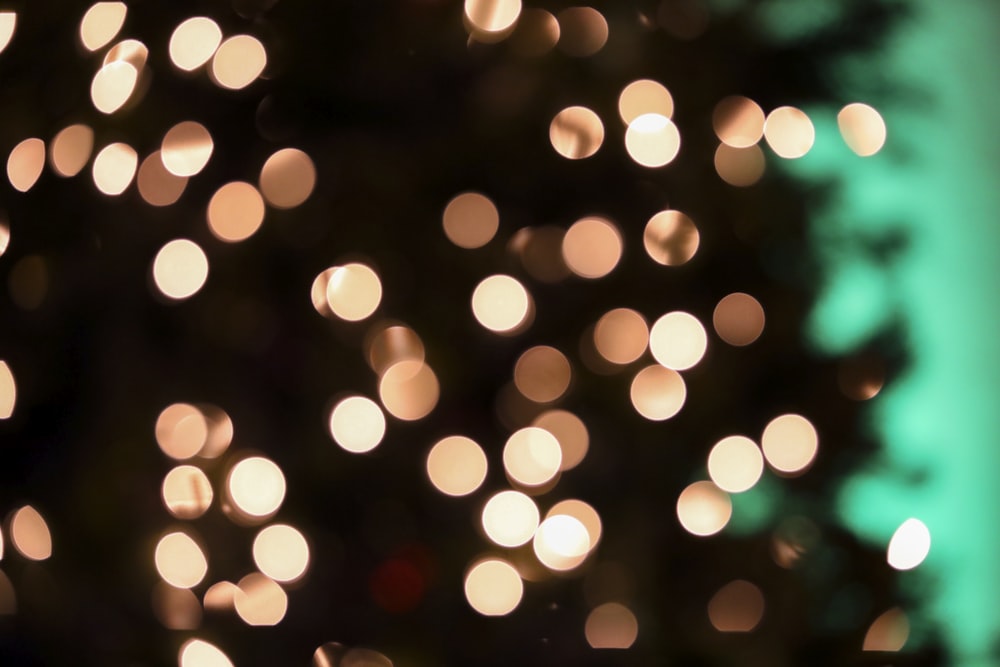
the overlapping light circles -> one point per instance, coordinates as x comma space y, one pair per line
71, 149
180, 269
652, 140
671, 238
113, 85
501, 304
644, 96
582, 512
357, 424
532, 456
704, 509
790, 443
388, 344
131, 51
576, 133
571, 433
157, 186
657, 392
493, 587
181, 431
456, 465
281, 552
259, 600
199, 653
194, 42
353, 291
735, 464
186, 148
561, 542
678, 340
510, 518
592, 247
409, 390
25, 164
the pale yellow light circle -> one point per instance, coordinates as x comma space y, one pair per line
470, 220
542, 374
738, 319
287, 178
353, 291
790, 443
409, 390
181, 431
583, 31
789, 132
862, 128
114, 168
357, 424
652, 140
510, 518
735, 464
238, 62
644, 96
186, 492
199, 653
256, 486
738, 121
561, 542
456, 465
678, 340
281, 552
621, 335
888, 632
186, 148
235, 212
131, 51
8, 391
500, 303
704, 509
492, 15
611, 625
532, 456
157, 186
570, 431
909, 545
493, 587
25, 164
740, 167
736, 607
8, 22
670, 238
658, 393
592, 247
70, 150
576, 133
101, 23
180, 561
112, 85
259, 601
180, 269
29, 533
583, 513
194, 42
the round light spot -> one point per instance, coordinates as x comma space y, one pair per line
470, 220
157, 186
592, 247
238, 62
862, 128
492, 16
392, 344
540, 252
789, 132
678, 340
101, 23
180, 269
735, 464
357, 424
281, 552
644, 96
29, 533
670, 238
114, 168
510, 518
583, 513
180, 561
409, 390
181, 431
621, 335
658, 393
561, 542
113, 85
198, 653
909, 545
194, 42
186, 148
583, 31
25, 163
542, 374
259, 601
704, 509
287, 178
456, 465
256, 486
790, 443
736, 607
353, 291
576, 133
8, 391
493, 587
571, 433
741, 167
738, 319
532, 456
71, 149
738, 121
652, 140
536, 34
235, 212
186, 492
611, 625
501, 303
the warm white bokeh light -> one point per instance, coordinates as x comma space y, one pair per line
542, 374
652, 140
181, 431
470, 220
510, 518
180, 561
678, 340
657, 392
561, 542
582, 512
409, 390
909, 545
157, 186
570, 431
738, 319
576, 133
281, 552
789, 132
644, 96
736, 607
256, 486
735, 464
671, 238
492, 16
621, 335
238, 62
738, 121
353, 291
862, 128
101, 23
704, 509
186, 492
194, 42
532, 456
592, 247
186, 148
29, 533
493, 587
114, 168
259, 600
357, 424
25, 164
180, 269
287, 178
113, 85
790, 443
8, 23
70, 150
235, 211
501, 303
8, 391
456, 465
199, 653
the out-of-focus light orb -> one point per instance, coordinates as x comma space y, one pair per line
909, 545
678, 340
592, 247
220, 431
238, 62
256, 486
180, 269
470, 220
790, 443
532, 456
704, 509
493, 587
8, 23
8, 391
260, 601
738, 121
131, 51
220, 596
736, 607
861, 378
583, 31
740, 167
571, 433
287, 178
70, 150
114, 168
25, 164
176, 608
353, 291
235, 212
789, 132
186, 492
357, 424
738, 319
862, 128
4, 236
888, 632
8, 598
157, 186
536, 34
101, 23
540, 252
583, 513
409, 390
644, 96
181, 431
456, 465
199, 653
317, 292
29, 533
194, 42
280, 551
735, 464
510, 518
576, 133
391, 344
621, 335
542, 374
180, 561
501, 303
652, 140
671, 238
658, 393
611, 625
186, 148
561, 542
112, 85
492, 16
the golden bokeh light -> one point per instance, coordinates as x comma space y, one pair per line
131, 51
583, 513
176, 608
736, 607
611, 625
532, 456
409, 390
114, 168
592, 247
256, 486
652, 140
180, 269
157, 186
180, 561
492, 17
101, 23
583, 31
536, 34
194, 42
361, 657
353, 291
862, 128
8, 391
561, 542
199, 653
540, 252
29, 533
644, 96
235, 211
738, 319
678, 340
470, 220
70, 149
789, 132
790, 443
238, 62
888, 632
740, 167
186, 492
220, 596
25, 164
186, 148
658, 393
501, 303
181, 431
287, 178
621, 335
542, 374
456, 465
113, 85
317, 292
738, 121
576, 133
571, 433
735, 464
671, 238
4, 236
281, 552
387, 345
8, 23
704, 509
493, 587
909, 545
510, 518
357, 424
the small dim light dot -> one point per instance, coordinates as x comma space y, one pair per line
180, 561
736, 607
409, 390
738, 319
353, 291
220, 431
186, 492
561, 542
571, 433
114, 168
456, 465
8, 22
704, 509
281, 552
621, 335
862, 128
790, 443
176, 608
256, 486
888, 632
357, 424
287, 178
186, 148
576, 133
789, 132
532, 456
611, 625
510, 518
8, 391
738, 121
194, 42
101, 23
492, 16
644, 96
113, 85
180, 269
70, 150
909, 545
740, 167
235, 212
238, 62
493, 587
470, 220
583, 31
678, 340
592, 247
542, 374
199, 653
658, 393
501, 303
536, 34
157, 186
735, 464
540, 252
25, 164
652, 140
181, 431
29, 533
